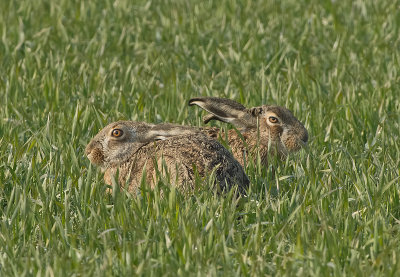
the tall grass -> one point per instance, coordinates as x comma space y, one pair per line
70, 67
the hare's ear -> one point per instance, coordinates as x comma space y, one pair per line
225, 110
164, 131
256, 111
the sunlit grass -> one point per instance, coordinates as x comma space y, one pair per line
70, 67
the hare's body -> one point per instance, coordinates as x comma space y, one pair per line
244, 146
181, 153
265, 130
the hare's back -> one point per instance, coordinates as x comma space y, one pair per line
198, 152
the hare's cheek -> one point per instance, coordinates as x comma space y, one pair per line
114, 144
275, 132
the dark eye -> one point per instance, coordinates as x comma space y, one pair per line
116, 133
273, 119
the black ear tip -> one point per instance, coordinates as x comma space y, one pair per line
191, 101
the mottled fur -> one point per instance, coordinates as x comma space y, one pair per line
183, 150
258, 135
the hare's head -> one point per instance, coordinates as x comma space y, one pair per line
277, 125
281, 126
118, 141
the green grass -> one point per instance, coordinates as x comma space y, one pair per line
70, 67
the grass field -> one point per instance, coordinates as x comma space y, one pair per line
69, 67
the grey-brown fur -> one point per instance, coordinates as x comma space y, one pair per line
259, 134
184, 150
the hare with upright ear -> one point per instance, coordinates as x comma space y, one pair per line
129, 147
267, 129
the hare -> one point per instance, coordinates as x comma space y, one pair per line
267, 129
128, 148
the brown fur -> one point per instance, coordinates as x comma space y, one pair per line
185, 152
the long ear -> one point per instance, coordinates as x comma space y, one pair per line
225, 110
164, 131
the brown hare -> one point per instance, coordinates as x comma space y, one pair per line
267, 129
129, 147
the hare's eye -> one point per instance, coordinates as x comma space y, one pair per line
273, 119
116, 133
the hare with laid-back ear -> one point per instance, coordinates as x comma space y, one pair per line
267, 129
129, 147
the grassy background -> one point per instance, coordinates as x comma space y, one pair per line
69, 67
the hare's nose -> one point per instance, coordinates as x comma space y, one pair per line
87, 151
90, 147
304, 137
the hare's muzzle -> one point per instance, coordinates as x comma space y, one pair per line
89, 148
295, 138
301, 141
94, 153
304, 138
